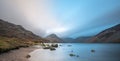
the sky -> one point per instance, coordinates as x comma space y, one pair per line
65, 18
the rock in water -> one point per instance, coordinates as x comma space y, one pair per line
52, 48
92, 50
72, 54
46, 47
54, 45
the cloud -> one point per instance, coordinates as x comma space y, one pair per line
35, 15
69, 17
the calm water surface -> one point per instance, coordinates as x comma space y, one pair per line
103, 52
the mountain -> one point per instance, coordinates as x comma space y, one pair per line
17, 31
82, 39
53, 38
110, 35
15, 36
76, 40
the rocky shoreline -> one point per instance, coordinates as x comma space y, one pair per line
17, 55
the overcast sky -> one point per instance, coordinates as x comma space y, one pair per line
66, 18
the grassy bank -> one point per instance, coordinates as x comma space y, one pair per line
7, 44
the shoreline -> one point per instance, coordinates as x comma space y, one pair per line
17, 55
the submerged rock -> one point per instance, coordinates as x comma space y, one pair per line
77, 55
69, 45
71, 50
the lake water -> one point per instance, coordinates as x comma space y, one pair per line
103, 52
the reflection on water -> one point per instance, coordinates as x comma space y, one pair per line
103, 52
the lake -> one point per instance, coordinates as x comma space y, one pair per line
82, 52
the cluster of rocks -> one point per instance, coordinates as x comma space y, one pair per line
51, 47
74, 55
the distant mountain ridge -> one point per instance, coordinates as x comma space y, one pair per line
53, 38
84, 39
77, 40
10, 30
110, 35
68, 40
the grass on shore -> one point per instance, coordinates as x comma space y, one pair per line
7, 44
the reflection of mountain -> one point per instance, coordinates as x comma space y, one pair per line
54, 38
109, 35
